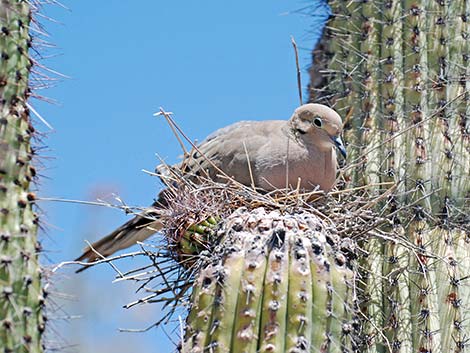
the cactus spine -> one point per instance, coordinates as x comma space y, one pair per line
21, 295
410, 114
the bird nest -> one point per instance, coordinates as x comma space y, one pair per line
197, 210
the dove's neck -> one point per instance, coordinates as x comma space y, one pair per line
330, 169
316, 162
325, 165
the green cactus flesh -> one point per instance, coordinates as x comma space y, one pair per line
21, 295
278, 284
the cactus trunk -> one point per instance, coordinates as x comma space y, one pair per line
406, 66
280, 283
21, 295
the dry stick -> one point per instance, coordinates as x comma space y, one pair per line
132, 276
98, 254
185, 162
249, 167
297, 189
345, 191
287, 166
178, 289
92, 203
361, 187
381, 197
198, 150
172, 127
134, 210
105, 260
299, 75
299, 88
156, 324
174, 176
88, 264
149, 279
146, 268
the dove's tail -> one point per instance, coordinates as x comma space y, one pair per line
137, 229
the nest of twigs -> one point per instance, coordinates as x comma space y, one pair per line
196, 207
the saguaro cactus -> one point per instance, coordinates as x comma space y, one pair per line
277, 283
400, 71
21, 296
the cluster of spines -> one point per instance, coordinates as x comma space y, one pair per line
196, 238
394, 259
346, 25
369, 108
396, 314
22, 320
458, 258
461, 58
277, 287
443, 26
339, 63
417, 178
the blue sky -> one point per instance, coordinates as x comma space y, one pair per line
209, 62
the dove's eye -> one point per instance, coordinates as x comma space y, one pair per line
317, 122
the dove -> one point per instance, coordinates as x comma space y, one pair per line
270, 154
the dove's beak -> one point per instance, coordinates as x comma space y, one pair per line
340, 145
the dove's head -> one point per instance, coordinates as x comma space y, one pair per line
319, 125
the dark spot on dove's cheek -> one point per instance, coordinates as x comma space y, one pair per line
300, 131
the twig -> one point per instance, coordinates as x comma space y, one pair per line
97, 253
299, 75
249, 167
195, 147
172, 124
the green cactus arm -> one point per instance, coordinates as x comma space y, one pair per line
21, 295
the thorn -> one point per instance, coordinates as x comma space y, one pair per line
30, 107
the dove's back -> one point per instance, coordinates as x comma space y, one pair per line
266, 146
